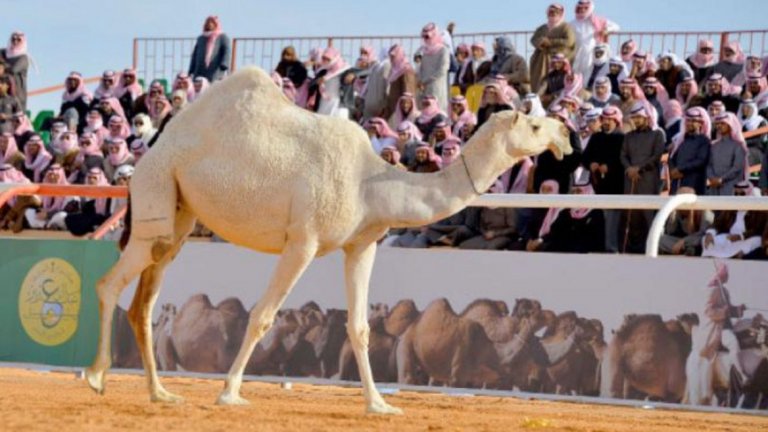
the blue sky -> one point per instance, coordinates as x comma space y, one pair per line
93, 35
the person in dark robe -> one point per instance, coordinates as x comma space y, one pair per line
703, 61
687, 93
75, 102
211, 55
89, 156
291, 67
128, 91
554, 81
496, 227
673, 120
617, 71
531, 220
425, 160
508, 63
547, 165
15, 57
689, 155
603, 159
719, 89
93, 212
578, 230
430, 116
556, 36
641, 159
494, 100
728, 156
401, 81
671, 72
600, 64
732, 63
475, 68
22, 129
655, 94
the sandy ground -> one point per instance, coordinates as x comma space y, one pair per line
31, 401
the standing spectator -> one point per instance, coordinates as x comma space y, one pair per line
475, 68
106, 89
8, 104
377, 86
54, 210
291, 67
211, 55
630, 94
405, 110
603, 159
673, 119
547, 165
430, 116
689, 155
327, 90
511, 65
600, 66
672, 72
402, 82
703, 61
751, 120
628, 50
461, 117
728, 157
461, 56
75, 102
602, 94
22, 129
9, 151
732, 63
657, 96
590, 30
128, 91
554, 37
16, 60
433, 70
687, 93
641, 159
494, 100
36, 158
554, 82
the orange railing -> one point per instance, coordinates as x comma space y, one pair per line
72, 190
58, 88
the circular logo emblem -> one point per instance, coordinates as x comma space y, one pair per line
49, 302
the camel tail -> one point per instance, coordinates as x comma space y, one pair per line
126, 235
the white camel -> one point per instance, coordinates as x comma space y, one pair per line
269, 176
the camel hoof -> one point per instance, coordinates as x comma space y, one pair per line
230, 399
164, 396
95, 380
382, 407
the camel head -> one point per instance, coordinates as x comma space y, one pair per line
523, 136
688, 321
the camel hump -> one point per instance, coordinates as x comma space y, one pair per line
440, 305
311, 306
232, 305
201, 300
633, 321
497, 307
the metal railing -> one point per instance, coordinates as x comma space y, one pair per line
165, 57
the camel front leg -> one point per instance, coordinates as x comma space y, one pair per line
295, 258
357, 268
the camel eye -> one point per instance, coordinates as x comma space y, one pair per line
535, 128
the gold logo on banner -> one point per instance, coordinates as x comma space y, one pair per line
49, 302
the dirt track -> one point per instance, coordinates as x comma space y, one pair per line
58, 402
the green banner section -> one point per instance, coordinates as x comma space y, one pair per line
48, 304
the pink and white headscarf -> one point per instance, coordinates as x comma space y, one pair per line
761, 98
614, 114
733, 122
289, 89
414, 134
400, 116
393, 151
599, 23
55, 204
336, 64
637, 92
106, 90
627, 57
138, 149
16, 49
64, 144
645, 109
552, 213
432, 39
431, 155
673, 112
79, 92
555, 21
37, 164
134, 89
466, 117
9, 174
158, 115
701, 60
560, 58
121, 156
211, 36
183, 79
451, 143
698, 114
429, 111
501, 96
573, 85
382, 128
89, 146
11, 148
562, 114
661, 92
113, 103
101, 203
726, 88
738, 55
24, 124
685, 100
399, 61
116, 122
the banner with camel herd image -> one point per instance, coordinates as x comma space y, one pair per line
602, 326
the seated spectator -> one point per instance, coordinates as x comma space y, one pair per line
12, 213
719, 89
380, 134
600, 66
579, 230
291, 67
405, 110
36, 159
494, 100
94, 124
22, 129
690, 153
65, 150
144, 103
508, 63
673, 119
425, 160
617, 72
461, 116
531, 106
408, 139
54, 209
602, 94
728, 156
159, 110
128, 91
685, 230
450, 231
554, 81
703, 61
75, 102
687, 93
92, 212
138, 149
515, 180
475, 69
451, 151
628, 50
430, 116
402, 83
211, 55
392, 157
9, 104
672, 72
439, 136
201, 84
733, 233
142, 129
752, 66
732, 63
750, 120
9, 151
109, 107
118, 127
642, 67
574, 87
117, 156
547, 165
763, 181
757, 87
89, 156
106, 89
530, 227
184, 83
496, 227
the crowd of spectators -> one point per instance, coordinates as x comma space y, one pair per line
639, 124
